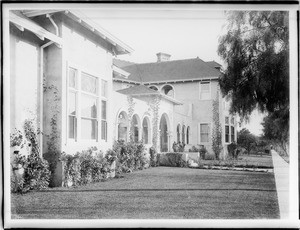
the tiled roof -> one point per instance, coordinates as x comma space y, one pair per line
213, 64
169, 70
142, 90
138, 90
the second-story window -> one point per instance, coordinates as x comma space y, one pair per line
205, 91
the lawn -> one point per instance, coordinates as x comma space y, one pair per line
162, 193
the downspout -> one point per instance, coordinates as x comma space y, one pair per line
42, 82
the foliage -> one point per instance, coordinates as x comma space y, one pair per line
178, 147
256, 51
130, 156
131, 105
232, 150
86, 167
200, 149
153, 157
172, 160
209, 157
246, 139
275, 128
16, 138
154, 107
217, 129
52, 153
36, 174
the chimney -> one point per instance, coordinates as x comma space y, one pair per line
161, 57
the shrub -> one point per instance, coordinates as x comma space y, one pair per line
172, 160
200, 149
209, 157
130, 156
36, 174
178, 147
86, 167
153, 157
16, 138
232, 150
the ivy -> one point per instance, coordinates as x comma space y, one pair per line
154, 106
53, 138
131, 105
217, 129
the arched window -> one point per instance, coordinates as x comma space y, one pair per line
153, 87
135, 128
183, 134
146, 130
188, 135
178, 133
168, 90
122, 126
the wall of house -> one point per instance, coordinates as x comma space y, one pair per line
88, 55
52, 97
193, 111
24, 78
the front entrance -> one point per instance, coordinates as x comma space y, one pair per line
164, 139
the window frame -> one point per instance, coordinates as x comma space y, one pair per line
200, 90
209, 132
104, 98
227, 124
79, 92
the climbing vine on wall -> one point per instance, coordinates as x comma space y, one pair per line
53, 138
155, 105
131, 105
217, 129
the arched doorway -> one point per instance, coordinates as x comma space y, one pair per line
164, 129
146, 130
135, 128
122, 126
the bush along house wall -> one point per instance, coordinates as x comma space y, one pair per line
91, 165
29, 172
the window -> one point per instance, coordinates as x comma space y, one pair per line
232, 134
183, 134
188, 135
178, 133
122, 126
84, 106
153, 87
72, 100
226, 129
103, 110
204, 133
168, 90
205, 91
89, 101
232, 129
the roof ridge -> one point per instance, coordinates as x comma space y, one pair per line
178, 60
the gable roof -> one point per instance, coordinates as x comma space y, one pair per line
178, 70
142, 90
78, 16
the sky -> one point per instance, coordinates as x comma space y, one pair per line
183, 33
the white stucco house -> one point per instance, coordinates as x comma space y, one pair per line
66, 72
